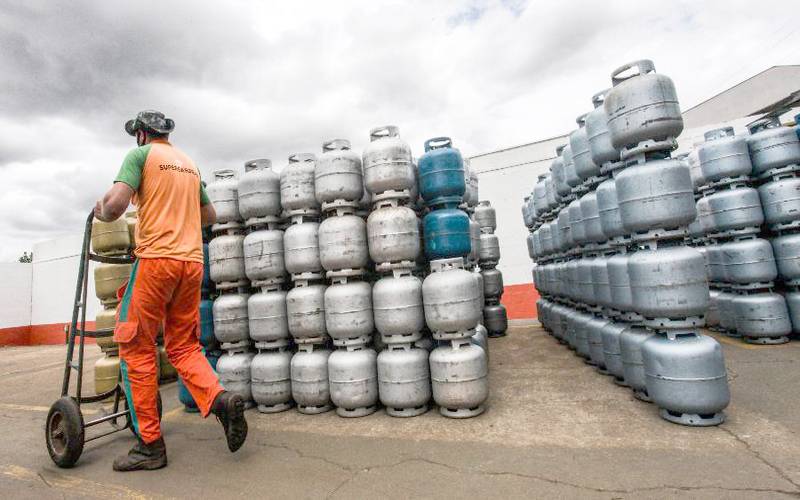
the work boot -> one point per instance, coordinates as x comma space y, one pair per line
229, 409
143, 457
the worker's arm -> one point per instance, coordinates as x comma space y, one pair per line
114, 203
208, 215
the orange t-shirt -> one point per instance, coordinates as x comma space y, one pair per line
168, 198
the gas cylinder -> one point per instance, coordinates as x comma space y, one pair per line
780, 199
387, 161
267, 318
226, 260
686, 378
259, 191
264, 256
393, 234
459, 376
489, 253
656, 194
591, 218
348, 312
110, 238
772, 146
631, 341
233, 369
446, 233
600, 146
451, 302
724, 155
309, 374
612, 350
305, 307
397, 308
223, 192
230, 318
734, 209
343, 243
642, 106
301, 250
762, 318
353, 376
669, 285
492, 283
108, 278
297, 185
106, 373
786, 249
441, 173
485, 216
271, 380
495, 319
338, 176
749, 261
404, 381
585, 166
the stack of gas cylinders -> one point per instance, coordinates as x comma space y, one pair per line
113, 239
227, 271
206, 318
452, 295
116, 239
327, 284
747, 227
608, 230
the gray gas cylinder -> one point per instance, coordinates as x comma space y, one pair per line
762, 318
451, 301
780, 199
301, 250
686, 378
397, 308
393, 234
309, 372
388, 164
264, 256
749, 262
734, 209
724, 155
338, 176
297, 185
233, 369
495, 319
230, 318
786, 249
353, 376
226, 260
631, 341
348, 312
641, 106
612, 350
343, 243
271, 380
404, 380
305, 308
223, 193
259, 191
594, 329
267, 318
459, 376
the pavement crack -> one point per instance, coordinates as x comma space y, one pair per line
300, 454
761, 458
44, 480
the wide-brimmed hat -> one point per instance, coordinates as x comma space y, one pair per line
150, 120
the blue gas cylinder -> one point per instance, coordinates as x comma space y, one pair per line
206, 286
207, 338
184, 396
441, 174
446, 234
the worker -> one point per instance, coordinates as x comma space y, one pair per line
164, 288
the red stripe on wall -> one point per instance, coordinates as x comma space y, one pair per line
50, 334
520, 301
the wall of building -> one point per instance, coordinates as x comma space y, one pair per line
15, 297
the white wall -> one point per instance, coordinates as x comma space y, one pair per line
55, 273
505, 177
15, 294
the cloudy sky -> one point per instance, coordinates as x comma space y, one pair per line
264, 79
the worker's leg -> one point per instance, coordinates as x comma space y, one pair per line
140, 313
182, 339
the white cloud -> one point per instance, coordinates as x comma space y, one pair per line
256, 79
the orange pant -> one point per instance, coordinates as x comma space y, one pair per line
162, 291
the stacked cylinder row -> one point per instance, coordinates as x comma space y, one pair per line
748, 228
328, 257
607, 230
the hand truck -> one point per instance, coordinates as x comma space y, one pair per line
65, 429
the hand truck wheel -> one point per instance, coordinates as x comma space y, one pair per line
64, 432
159, 405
